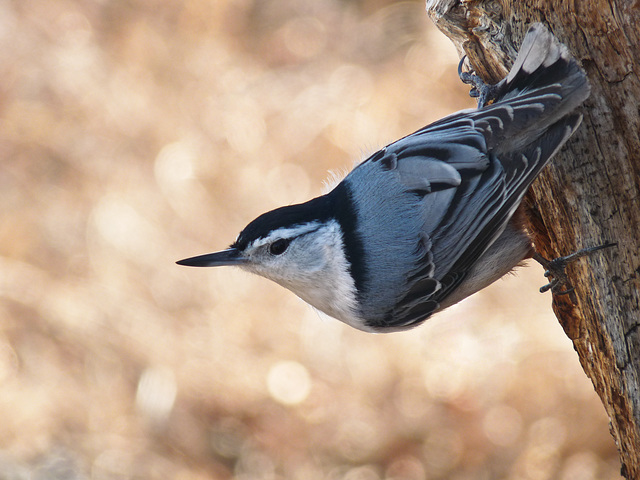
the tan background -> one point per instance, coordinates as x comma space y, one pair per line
135, 133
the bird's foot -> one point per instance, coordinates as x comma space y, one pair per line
556, 269
483, 92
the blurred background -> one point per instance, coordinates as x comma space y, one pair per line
136, 133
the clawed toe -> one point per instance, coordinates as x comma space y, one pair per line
485, 93
556, 269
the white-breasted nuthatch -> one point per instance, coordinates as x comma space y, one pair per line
429, 219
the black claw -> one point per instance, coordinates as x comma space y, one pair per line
546, 288
483, 92
565, 292
460, 72
556, 269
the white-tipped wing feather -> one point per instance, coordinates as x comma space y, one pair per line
465, 176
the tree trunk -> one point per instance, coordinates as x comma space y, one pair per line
590, 193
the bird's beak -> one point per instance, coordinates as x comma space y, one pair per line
231, 256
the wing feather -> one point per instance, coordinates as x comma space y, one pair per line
462, 178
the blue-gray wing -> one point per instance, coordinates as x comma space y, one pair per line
461, 221
465, 175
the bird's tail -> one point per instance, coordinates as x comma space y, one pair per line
542, 61
545, 85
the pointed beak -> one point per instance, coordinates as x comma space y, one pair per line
231, 256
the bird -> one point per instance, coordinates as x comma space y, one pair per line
431, 218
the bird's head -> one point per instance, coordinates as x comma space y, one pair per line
300, 247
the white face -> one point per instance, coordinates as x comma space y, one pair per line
309, 260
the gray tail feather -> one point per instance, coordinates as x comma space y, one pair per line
544, 85
542, 61
545, 65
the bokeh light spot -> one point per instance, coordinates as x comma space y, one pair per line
502, 425
288, 382
156, 393
305, 36
174, 164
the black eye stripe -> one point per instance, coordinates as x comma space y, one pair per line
279, 246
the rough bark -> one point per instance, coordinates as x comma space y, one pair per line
590, 194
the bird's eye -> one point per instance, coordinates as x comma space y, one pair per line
279, 246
